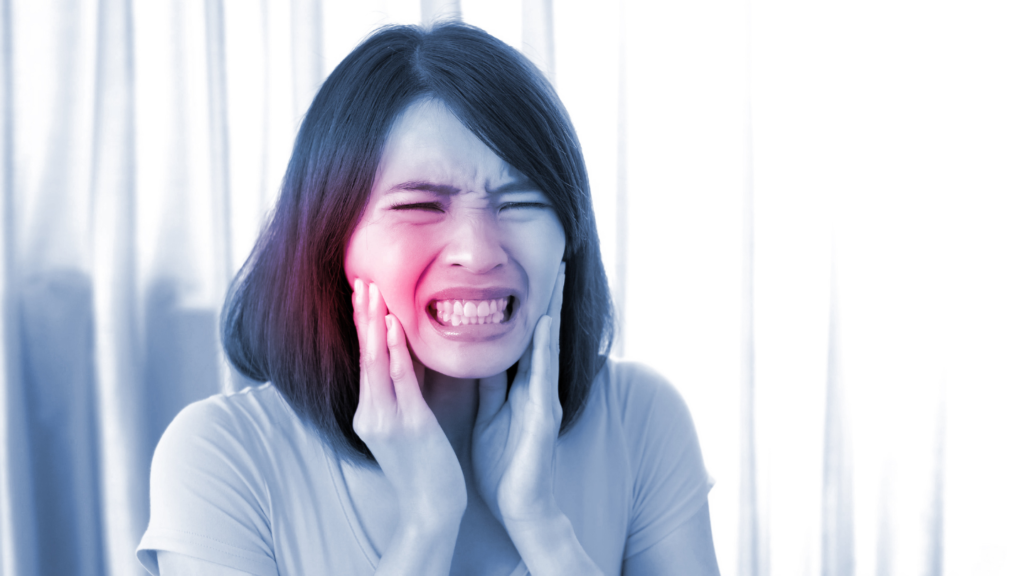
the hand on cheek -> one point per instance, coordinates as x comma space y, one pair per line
514, 440
395, 422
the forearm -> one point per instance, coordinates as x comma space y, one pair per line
421, 548
550, 547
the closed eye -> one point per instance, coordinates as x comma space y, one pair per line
431, 206
514, 205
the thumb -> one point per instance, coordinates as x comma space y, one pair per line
402, 372
492, 396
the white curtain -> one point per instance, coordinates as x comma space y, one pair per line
812, 216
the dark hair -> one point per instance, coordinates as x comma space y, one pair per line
288, 315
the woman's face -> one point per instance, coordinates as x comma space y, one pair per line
464, 249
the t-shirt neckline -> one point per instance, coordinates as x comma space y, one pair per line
345, 498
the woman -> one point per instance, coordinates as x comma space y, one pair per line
429, 306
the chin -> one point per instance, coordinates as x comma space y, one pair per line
467, 364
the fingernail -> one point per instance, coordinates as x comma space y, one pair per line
374, 292
391, 329
541, 325
357, 288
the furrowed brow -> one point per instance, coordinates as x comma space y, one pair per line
442, 189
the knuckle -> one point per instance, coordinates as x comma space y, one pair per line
368, 357
417, 425
398, 371
373, 425
360, 425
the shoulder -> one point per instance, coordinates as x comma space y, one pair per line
670, 482
639, 392
643, 407
225, 439
202, 439
657, 426
251, 403
209, 495
225, 422
637, 437
630, 374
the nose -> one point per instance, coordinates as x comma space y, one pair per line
475, 245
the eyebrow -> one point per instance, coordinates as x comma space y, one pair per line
517, 185
442, 189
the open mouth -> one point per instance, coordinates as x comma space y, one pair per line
461, 312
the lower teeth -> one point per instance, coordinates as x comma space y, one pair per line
453, 320
496, 318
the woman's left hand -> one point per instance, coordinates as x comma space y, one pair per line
514, 440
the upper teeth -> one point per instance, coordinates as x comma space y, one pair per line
457, 312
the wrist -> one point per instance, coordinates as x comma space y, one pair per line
419, 545
429, 521
425, 526
439, 510
550, 546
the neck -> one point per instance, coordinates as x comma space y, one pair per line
454, 402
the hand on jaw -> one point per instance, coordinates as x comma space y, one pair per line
514, 453
513, 440
404, 436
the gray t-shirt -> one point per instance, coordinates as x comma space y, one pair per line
240, 481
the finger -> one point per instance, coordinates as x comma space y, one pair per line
555, 311
525, 365
555, 306
540, 379
407, 387
374, 357
359, 309
492, 396
359, 312
519, 390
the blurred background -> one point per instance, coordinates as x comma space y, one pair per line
812, 215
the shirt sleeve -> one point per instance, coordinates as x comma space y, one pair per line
670, 482
207, 497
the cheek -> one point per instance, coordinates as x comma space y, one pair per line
390, 257
542, 251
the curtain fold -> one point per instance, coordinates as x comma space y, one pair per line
122, 445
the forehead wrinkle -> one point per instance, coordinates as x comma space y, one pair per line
426, 186
482, 177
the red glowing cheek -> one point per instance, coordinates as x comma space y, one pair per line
394, 259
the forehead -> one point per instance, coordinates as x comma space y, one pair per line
428, 142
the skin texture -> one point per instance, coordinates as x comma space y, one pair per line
472, 238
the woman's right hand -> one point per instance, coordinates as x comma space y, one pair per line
398, 427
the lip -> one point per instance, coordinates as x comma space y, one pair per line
475, 293
476, 332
